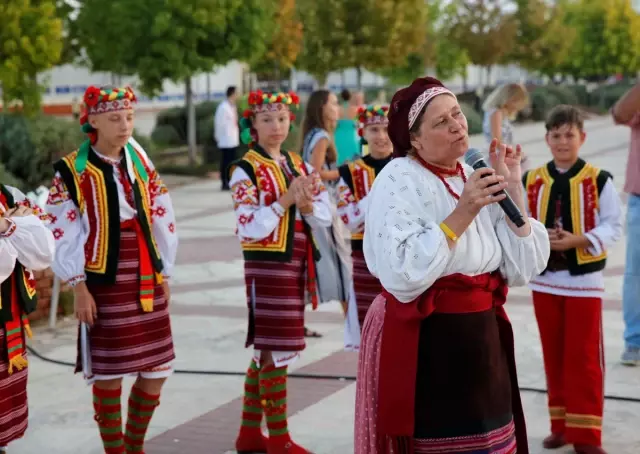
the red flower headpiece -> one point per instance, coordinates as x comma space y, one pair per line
371, 115
99, 101
265, 102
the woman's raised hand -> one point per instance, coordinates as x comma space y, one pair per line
480, 191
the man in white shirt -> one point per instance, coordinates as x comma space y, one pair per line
227, 133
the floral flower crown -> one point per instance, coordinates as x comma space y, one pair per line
99, 101
371, 115
265, 102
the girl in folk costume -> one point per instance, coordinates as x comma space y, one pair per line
116, 241
436, 369
356, 179
581, 208
26, 245
277, 200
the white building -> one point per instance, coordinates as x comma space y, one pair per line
66, 84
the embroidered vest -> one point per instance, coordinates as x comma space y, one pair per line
359, 176
578, 191
26, 284
272, 182
95, 192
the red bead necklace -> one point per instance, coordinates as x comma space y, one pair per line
441, 173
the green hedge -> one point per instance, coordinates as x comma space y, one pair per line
28, 146
474, 118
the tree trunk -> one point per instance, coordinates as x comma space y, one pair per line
208, 86
343, 79
191, 122
359, 77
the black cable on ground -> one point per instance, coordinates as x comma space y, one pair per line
294, 375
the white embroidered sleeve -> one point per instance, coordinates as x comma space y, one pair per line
8, 257
523, 258
69, 232
403, 245
351, 211
163, 221
609, 221
32, 241
254, 220
322, 205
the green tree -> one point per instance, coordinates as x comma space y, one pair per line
171, 40
284, 45
437, 52
30, 43
608, 39
483, 30
543, 40
383, 33
324, 41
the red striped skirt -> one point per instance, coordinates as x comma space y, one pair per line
275, 297
14, 411
366, 286
124, 338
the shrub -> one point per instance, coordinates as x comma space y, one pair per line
562, 94
474, 119
9, 179
542, 101
604, 97
28, 147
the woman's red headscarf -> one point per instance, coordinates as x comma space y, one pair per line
406, 106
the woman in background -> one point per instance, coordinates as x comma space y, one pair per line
319, 150
346, 138
500, 109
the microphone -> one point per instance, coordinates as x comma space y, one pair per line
475, 159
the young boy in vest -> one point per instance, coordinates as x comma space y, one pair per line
582, 211
26, 245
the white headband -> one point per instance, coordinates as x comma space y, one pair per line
423, 99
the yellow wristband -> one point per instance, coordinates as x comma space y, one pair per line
447, 231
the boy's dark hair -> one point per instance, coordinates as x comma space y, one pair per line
231, 91
345, 95
564, 115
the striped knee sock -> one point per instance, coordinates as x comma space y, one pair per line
273, 394
251, 408
108, 415
141, 408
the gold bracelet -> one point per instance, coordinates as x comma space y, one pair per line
447, 231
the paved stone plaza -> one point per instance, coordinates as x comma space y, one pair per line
200, 413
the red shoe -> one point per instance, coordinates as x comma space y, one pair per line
251, 441
589, 449
554, 441
284, 445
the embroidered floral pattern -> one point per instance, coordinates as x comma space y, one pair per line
244, 193
159, 211
156, 186
58, 233
172, 227
533, 193
589, 198
58, 193
72, 215
243, 219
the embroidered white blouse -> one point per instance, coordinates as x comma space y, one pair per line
72, 231
27, 240
256, 220
405, 248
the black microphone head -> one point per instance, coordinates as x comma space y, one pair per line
472, 156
